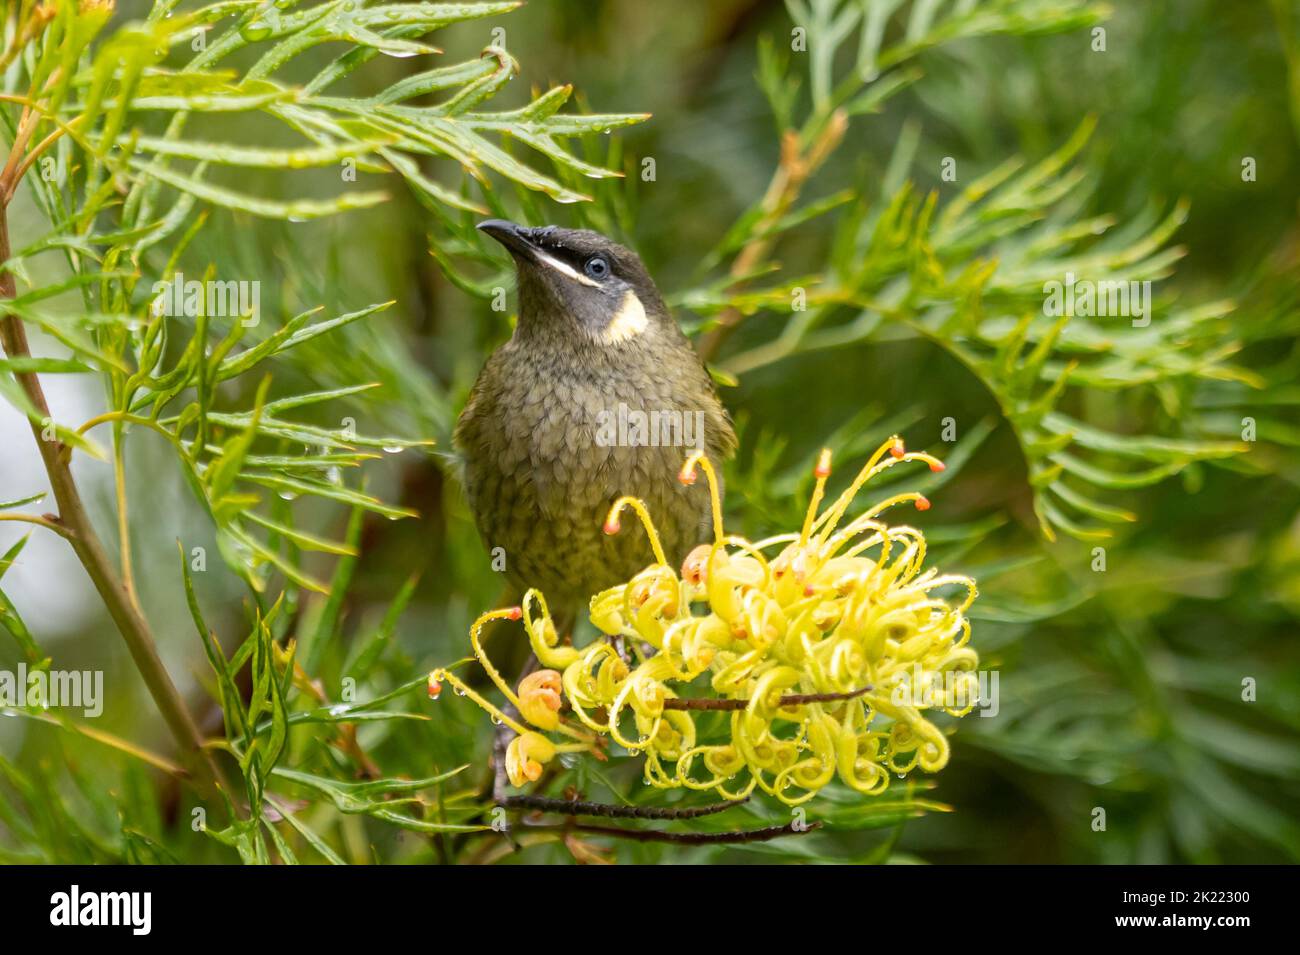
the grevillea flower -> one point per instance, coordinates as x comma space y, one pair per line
539, 699
527, 754
778, 665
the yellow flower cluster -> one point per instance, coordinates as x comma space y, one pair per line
813, 664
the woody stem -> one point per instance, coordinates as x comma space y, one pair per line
77, 529
791, 699
687, 838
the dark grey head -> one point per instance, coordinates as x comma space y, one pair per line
578, 281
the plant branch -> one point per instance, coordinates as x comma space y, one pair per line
48, 521
792, 699
796, 166
33, 154
686, 838
575, 807
78, 530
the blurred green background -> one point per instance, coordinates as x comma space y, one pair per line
1120, 689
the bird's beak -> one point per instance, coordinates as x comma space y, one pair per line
516, 238
525, 246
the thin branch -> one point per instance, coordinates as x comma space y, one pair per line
575, 807
796, 166
90, 551
32, 155
28, 120
792, 699
687, 838
123, 518
501, 737
48, 521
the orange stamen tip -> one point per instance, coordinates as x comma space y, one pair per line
809, 590
686, 477
823, 468
937, 466
514, 613
897, 449
434, 687
922, 503
612, 526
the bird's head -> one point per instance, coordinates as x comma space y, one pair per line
577, 282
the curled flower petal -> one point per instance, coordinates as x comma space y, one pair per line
526, 756
540, 699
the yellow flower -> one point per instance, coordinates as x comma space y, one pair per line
525, 757
820, 644
539, 698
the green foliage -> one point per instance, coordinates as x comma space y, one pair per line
118, 194
106, 109
829, 263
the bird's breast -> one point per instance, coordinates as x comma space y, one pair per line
546, 455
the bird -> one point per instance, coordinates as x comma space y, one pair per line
596, 395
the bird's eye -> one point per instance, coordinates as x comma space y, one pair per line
596, 267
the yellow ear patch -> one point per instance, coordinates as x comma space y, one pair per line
629, 321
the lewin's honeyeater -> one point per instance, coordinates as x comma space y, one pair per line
562, 419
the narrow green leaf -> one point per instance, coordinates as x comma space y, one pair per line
294, 210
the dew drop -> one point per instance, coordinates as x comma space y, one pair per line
255, 31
